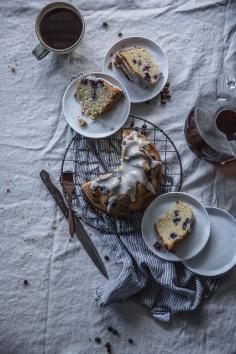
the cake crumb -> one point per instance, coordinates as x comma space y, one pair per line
110, 66
82, 122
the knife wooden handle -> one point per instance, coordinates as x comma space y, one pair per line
56, 194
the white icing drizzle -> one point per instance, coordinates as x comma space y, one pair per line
124, 179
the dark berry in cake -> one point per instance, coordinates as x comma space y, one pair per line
173, 235
140, 62
94, 95
155, 77
176, 212
146, 67
84, 81
186, 223
134, 61
147, 76
176, 220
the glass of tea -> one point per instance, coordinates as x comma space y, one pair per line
59, 27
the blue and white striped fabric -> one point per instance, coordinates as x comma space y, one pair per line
166, 288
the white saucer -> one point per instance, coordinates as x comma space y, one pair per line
196, 240
219, 255
105, 125
137, 93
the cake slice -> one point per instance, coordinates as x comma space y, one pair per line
175, 225
96, 95
138, 65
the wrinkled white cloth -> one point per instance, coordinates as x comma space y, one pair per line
55, 313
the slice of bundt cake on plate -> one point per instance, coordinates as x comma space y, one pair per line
96, 95
175, 225
138, 65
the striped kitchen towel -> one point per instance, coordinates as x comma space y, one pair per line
166, 288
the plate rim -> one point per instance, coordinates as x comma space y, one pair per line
155, 44
230, 265
96, 73
198, 202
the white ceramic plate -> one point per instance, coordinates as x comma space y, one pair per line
219, 254
105, 125
137, 93
196, 240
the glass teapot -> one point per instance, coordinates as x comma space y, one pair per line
210, 128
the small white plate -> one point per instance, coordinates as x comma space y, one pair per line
105, 125
219, 254
195, 241
138, 94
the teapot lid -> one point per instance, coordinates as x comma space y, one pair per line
217, 98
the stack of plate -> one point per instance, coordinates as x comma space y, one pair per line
210, 248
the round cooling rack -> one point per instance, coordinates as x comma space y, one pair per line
89, 158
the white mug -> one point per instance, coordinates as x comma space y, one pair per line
42, 48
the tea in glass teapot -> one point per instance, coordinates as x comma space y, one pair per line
210, 128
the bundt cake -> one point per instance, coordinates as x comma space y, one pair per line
96, 95
138, 65
134, 183
175, 225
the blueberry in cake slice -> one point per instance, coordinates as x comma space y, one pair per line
134, 183
96, 95
175, 225
138, 65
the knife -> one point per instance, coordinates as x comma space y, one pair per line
79, 229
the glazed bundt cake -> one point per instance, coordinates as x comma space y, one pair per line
132, 185
96, 95
138, 65
175, 225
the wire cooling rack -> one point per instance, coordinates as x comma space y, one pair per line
89, 158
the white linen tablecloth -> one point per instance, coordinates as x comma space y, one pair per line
55, 312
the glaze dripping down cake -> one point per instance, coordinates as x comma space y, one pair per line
175, 225
138, 65
96, 95
134, 183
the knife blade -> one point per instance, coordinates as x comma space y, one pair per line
81, 233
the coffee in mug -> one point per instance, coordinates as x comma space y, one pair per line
59, 27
